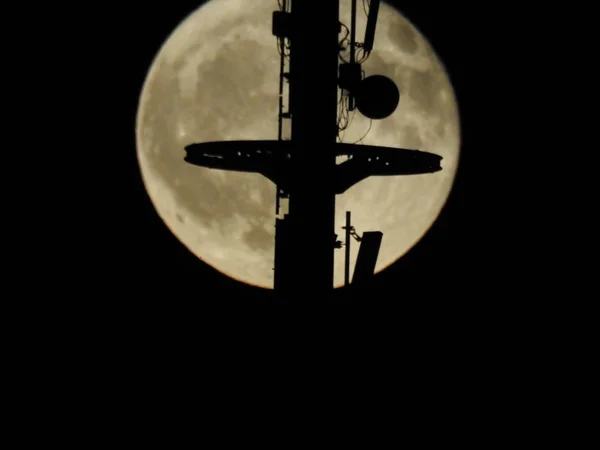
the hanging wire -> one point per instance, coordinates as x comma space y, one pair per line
341, 43
365, 135
347, 126
351, 118
340, 115
342, 121
361, 54
345, 38
366, 5
286, 47
287, 5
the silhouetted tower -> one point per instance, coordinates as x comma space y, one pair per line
304, 167
305, 269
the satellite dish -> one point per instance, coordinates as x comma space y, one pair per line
377, 97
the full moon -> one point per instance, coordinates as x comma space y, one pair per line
216, 78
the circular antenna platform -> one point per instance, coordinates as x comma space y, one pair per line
377, 97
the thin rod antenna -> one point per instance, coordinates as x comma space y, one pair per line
353, 32
351, 101
347, 262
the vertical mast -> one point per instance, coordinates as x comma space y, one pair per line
310, 231
347, 260
282, 114
351, 101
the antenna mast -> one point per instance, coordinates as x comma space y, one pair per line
305, 270
304, 167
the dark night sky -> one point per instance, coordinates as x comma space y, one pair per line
125, 321
453, 261
147, 316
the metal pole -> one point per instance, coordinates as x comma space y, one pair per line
347, 262
313, 98
353, 32
351, 99
280, 115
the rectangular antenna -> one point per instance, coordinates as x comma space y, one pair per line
367, 257
371, 24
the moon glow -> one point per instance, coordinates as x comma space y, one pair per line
216, 78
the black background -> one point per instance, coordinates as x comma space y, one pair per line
440, 315
124, 319
127, 323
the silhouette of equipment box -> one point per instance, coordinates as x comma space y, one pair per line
350, 76
282, 24
367, 257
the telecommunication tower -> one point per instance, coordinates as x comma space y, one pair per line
303, 165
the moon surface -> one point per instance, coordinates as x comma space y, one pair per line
216, 78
